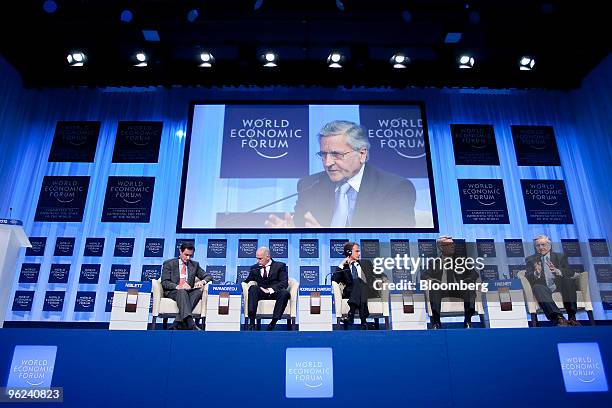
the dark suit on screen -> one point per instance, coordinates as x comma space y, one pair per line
186, 299
277, 279
385, 200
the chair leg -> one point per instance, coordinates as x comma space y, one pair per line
482, 320
387, 325
289, 324
258, 324
377, 324
153, 320
591, 318
203, 326
534, 320
165, 323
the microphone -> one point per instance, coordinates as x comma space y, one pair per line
327, 276
10, 213
304, 189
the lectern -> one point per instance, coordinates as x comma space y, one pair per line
12, 238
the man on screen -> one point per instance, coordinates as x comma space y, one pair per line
178, 280
350, 193
549, 272
272, 283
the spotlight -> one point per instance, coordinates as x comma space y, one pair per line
180, 134
50, 6
526, 63
76, 59
141, 59
335, 60
192, 15
207, 59
399, 61
126, 16
270, 59
466, 62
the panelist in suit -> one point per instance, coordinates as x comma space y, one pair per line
358, 277
272, 283
350, 192
447, 269
549, 272
178, 280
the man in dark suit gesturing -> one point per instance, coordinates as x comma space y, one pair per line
549, 272
178, 281
272, 282
350, 193
358, 277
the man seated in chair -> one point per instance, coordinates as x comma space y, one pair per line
272, 283
447, 269
178, 281
358, 277
549, 272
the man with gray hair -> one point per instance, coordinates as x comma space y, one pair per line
272, 282
549, 272
350, 193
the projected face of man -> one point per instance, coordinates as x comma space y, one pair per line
542, 246
348, 161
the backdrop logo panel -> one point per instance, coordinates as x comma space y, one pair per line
582, 367
483, 201
217, 272
32, 366
59, 273
370, 248
179, 242
64, 246
128, 199
109, 302
489, 272
94, 247
474, 144
427, 247
397, 139
247, 248
309, 275
62, 199
124, 247
217, 248
535, 146
29, 273
309, 373
85, 302
90, 273
546, 202
603, 273
38, 246
54, 301
279, 248
571, 247
154, 247
23, 300
150, 272
119, 272
486, 248
400, 247
336, 248
242, 274
272, 139
514, 248
599, 247
75, 142
309, 248
137, 142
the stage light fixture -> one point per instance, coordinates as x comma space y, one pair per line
126, 16
270, 59
335, 60
50, 6
466, 62
192, 15
207, 59
76, 59
526, 63
399, 61
141, 59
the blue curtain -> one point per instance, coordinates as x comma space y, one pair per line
581, 121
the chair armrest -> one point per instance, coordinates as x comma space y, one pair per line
245, 296
204, 298
158, 293
293, 299
583, 286
532, 304
337, 289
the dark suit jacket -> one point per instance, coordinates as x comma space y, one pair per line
557, 259
384, 200
433, 271
171, 276
278, 278
344, 275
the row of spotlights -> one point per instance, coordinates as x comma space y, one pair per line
334, 60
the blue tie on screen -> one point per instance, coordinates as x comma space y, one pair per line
341, 211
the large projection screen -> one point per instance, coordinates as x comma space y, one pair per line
317, 167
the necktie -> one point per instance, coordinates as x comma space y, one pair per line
354, 271
265, 272
543, 265
183, 275
341, 211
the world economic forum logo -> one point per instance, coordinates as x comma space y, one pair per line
582, 367
404, 136
32, 367
309, 373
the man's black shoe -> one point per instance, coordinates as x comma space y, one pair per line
436, 326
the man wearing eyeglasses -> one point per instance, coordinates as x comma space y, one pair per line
350, 193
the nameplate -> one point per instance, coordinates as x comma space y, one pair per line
307, 290
123, 286
231, 289
8, 221
510, 284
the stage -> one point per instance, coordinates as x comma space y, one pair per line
443, 368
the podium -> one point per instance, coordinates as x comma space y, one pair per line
506, 304
315, 308
223, 308
408, 310
131, 303
12, 239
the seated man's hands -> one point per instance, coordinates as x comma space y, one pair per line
183, 286
199, 284
275, 222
